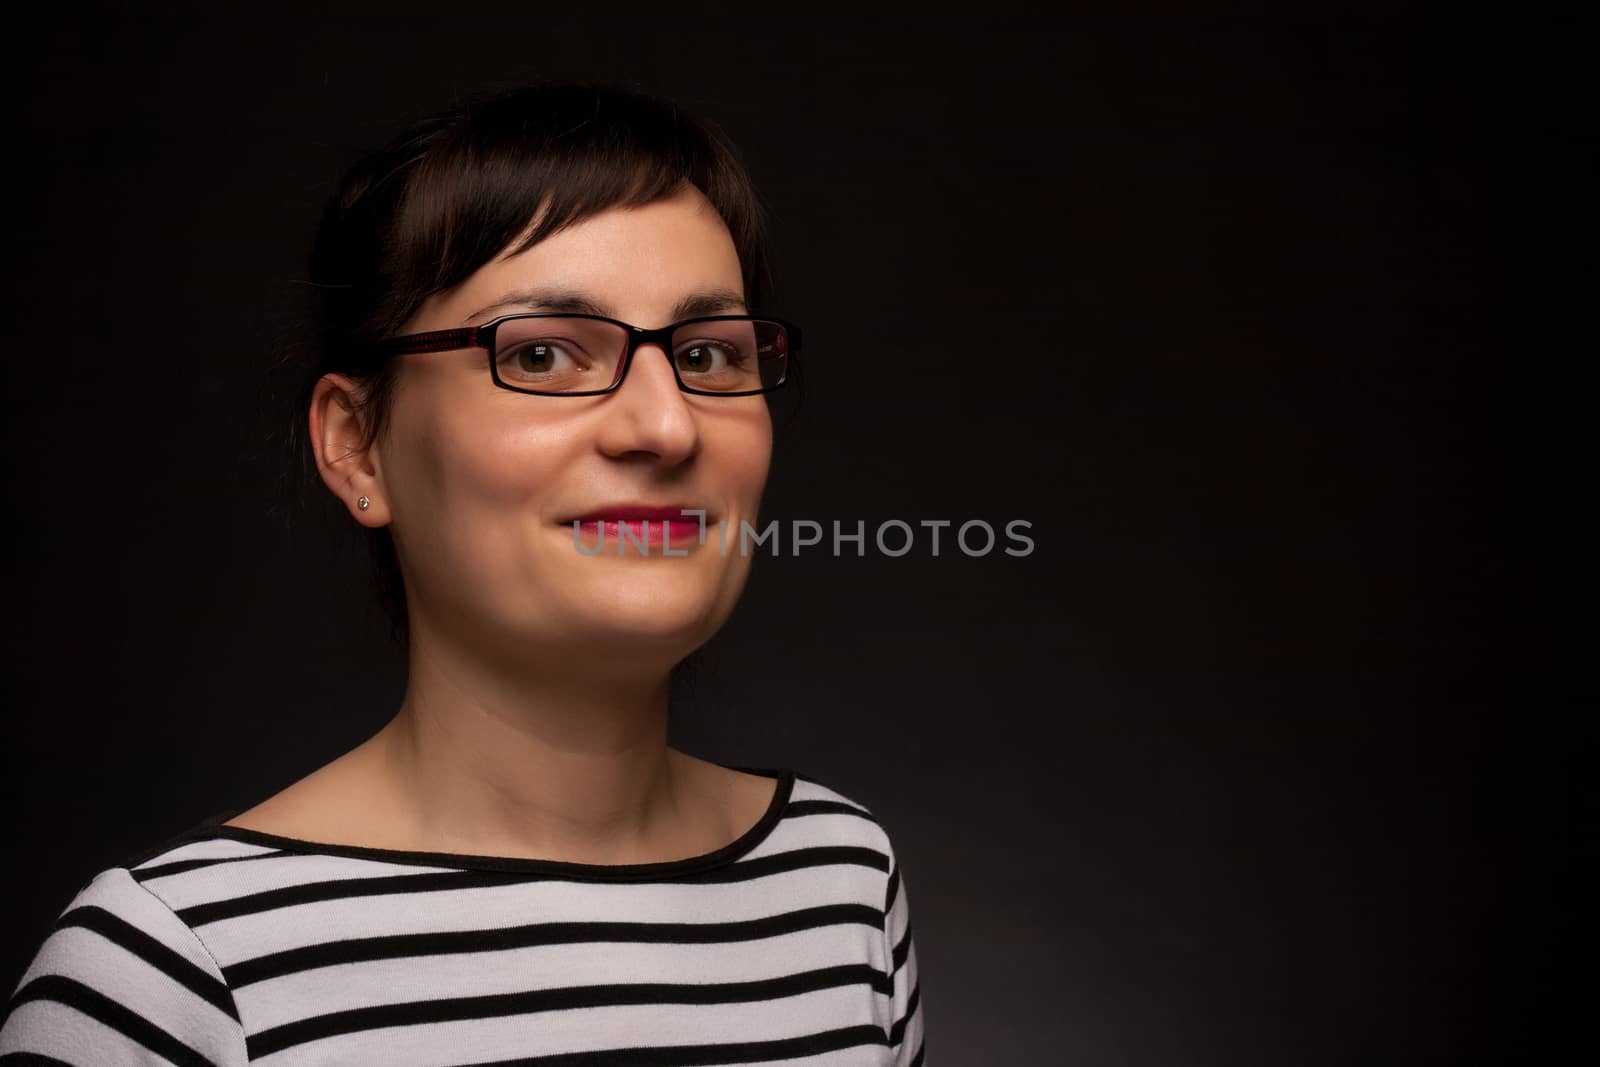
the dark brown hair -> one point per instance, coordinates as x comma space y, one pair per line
444, 197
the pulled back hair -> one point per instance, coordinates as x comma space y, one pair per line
446, 196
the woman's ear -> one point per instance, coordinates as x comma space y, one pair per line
348, 467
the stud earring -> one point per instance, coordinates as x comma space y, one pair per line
362, 503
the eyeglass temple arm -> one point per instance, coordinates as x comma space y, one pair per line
435, 341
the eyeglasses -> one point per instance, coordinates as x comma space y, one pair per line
551, 354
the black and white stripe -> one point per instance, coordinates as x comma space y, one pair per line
226, 946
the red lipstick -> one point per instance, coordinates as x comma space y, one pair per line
647, 524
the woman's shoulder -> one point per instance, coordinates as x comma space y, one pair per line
122, 895
830, 793
125, 903
121, 972
850, 822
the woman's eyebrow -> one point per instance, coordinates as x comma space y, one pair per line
574, 302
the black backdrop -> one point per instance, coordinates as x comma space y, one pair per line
1226, 772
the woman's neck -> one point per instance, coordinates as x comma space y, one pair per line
560, 763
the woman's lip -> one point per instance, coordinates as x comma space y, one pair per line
676, 532
640, 513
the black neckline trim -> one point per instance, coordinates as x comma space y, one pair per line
211, 828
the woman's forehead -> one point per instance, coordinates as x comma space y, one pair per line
704, 300
670, 258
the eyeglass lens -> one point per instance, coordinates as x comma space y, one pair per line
571, 355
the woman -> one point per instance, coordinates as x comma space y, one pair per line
542, 389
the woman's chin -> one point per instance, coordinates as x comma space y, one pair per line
650, 605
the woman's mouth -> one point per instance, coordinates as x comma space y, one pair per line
675, 526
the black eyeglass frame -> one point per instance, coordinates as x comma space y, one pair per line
483, 336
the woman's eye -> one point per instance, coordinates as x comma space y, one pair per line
707, 357
537, 357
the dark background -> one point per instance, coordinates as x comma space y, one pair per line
1248, 763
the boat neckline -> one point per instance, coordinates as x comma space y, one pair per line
212, 828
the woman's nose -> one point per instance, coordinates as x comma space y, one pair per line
648, 413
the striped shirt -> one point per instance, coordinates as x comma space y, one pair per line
791, 945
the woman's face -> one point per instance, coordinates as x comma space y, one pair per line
481, 483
